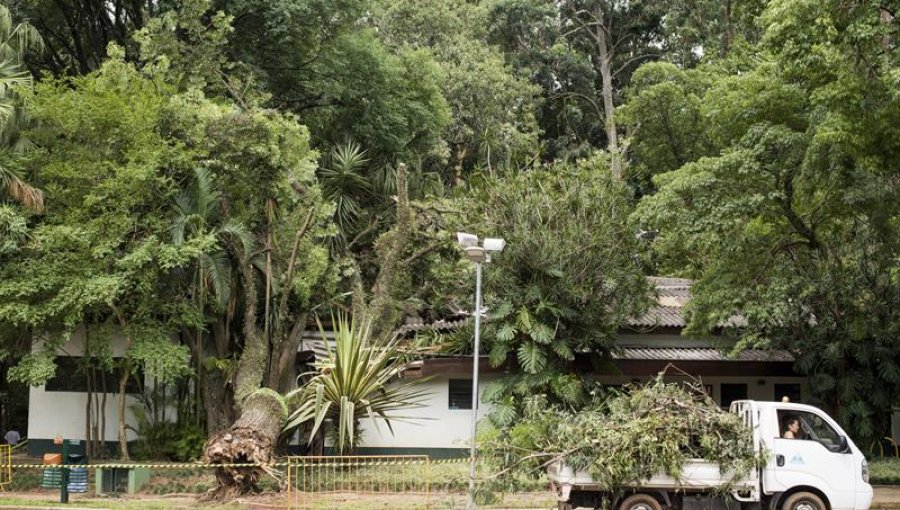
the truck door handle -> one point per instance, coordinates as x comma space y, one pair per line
779, 459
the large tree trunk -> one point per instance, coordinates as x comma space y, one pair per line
605, 58
218, 402
218, 398
251, 440
283, 365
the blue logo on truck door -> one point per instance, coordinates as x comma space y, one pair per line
797, 459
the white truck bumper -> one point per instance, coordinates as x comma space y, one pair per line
864, 495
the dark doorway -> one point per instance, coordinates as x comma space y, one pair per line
732, 392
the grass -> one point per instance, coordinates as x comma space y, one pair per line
885, 471
49, 501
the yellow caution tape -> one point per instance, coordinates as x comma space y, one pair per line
134, 466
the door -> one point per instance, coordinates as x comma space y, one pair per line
813, 457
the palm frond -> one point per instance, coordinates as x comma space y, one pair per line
12, 186
216, 269
207, 197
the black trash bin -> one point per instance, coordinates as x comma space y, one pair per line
78, 476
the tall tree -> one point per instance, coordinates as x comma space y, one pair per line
16, 41
794, 222
493, 126
582, 53
321, 59
99, 254
77, 32
562, 285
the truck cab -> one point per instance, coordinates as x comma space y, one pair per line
812, 464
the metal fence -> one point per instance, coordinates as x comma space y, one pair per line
412, 482
5, 465
329, 482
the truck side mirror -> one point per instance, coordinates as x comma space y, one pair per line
843, 447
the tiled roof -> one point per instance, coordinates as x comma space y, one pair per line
672, 294
417, 324
697, 354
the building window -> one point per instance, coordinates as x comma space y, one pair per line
460, 394
791, 391
72, 376
732, 392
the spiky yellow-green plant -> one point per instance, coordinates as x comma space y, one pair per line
359, 378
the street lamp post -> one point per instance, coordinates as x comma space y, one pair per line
478, 255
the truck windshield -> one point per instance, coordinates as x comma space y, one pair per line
812, 428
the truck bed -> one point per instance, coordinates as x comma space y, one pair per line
697, 474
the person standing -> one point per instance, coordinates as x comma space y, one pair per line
12, 437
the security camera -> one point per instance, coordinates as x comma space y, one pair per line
494, 244
466, 240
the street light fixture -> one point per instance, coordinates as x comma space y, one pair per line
478, 255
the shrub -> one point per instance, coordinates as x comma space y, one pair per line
884, 472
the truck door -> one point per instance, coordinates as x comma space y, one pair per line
813, 457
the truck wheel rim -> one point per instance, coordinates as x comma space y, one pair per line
644, 506
805, 505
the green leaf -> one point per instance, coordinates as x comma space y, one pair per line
541, 333
532, 357
506, 333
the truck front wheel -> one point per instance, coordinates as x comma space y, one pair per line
803, 501
644, 502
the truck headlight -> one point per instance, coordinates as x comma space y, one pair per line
865, 471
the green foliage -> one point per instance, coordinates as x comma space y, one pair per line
13, 230
17, 40
169, 441
664, 117
358, 379
792, 221
188, 45
494, 126
354, 86
565, 281
625, 436
884, 471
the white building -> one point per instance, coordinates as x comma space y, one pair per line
441, 428
59, 407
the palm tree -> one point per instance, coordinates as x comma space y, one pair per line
15, 41
358, 379
198, 215
198, 212
344, 184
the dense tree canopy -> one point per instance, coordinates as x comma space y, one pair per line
203, 177
791, 217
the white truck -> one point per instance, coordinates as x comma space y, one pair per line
820, 469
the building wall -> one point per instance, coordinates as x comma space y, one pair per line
434, 426
440, 431
63, 414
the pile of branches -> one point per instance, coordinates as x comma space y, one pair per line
624, 436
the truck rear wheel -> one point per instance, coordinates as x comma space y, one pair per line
803, 501
644, 502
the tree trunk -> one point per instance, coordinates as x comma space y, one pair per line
382, 310
252, 365
218, 402
282, 367
612, 134
123, 437
251, 440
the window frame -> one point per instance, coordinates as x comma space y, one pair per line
69, 377
462, 396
